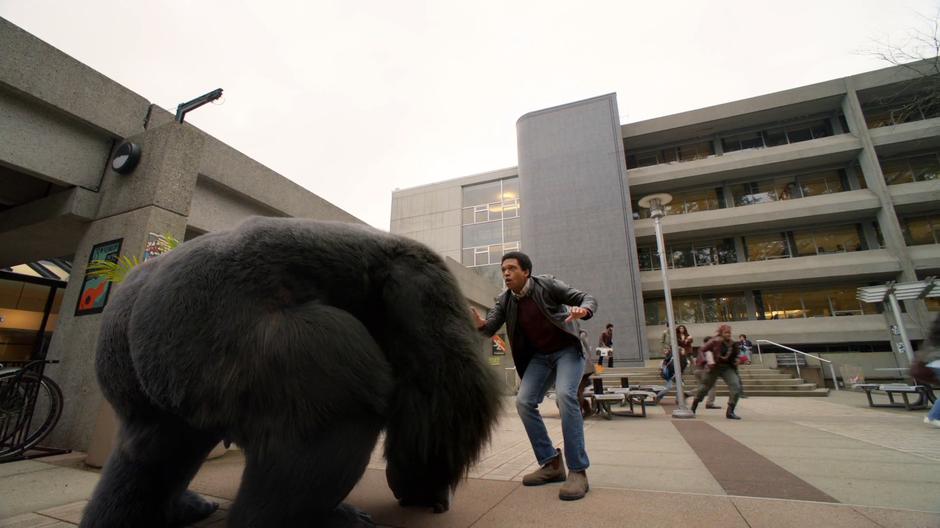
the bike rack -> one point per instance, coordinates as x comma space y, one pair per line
17, 408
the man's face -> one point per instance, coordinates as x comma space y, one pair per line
726, 335
513, 275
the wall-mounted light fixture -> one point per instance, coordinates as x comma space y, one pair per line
125, 158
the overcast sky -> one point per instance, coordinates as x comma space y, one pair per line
352, 99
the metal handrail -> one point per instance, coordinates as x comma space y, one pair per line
832, 370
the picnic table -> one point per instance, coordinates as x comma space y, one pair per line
925, 395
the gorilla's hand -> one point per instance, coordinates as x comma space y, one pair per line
412, 493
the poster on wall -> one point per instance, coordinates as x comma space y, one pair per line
94, 293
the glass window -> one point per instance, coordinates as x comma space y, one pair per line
724, 308
782, 305
766, 247
482, 234
512, 230
922, 230
797, 134
649, 260
750, 193
844, 302
699, 200
688, 309
655, 311
481, 193
821, 183
925, 168
821, 128
775, 136
705, 255
511, 189
785, 188
694, 151
727, 254
681, 257
838, 239
742, 141
805, 243
816, 303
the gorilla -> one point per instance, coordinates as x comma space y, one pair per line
301, 341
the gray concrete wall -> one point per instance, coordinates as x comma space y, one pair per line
576, 218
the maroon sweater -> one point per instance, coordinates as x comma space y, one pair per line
541, 335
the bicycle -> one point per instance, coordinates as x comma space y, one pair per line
30, 407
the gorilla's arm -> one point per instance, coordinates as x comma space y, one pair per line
447, 400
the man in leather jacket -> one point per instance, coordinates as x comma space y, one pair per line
541, 315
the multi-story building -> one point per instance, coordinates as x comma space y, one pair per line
783, 205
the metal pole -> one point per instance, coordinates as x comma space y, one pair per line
682, 411
796, 363
896, 308
760, 355
835, 382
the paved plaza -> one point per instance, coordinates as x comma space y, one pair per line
791, 461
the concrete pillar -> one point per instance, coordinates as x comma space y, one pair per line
577, 219
155, 198
886, 216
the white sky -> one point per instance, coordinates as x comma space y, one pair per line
352, 99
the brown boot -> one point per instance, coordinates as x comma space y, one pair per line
575, 487
552, 471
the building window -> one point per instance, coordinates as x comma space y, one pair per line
841, 239
921, 230
776, 136
880, 114
688, 201
768, 246
911, 169
810, 302
690, 254
703, 308
680, 153
491, 225
788, 187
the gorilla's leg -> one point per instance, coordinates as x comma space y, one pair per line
144, 481
291, 481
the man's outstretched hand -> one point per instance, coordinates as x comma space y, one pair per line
477, 320
577, 313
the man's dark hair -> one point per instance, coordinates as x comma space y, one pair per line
609, 325
524, 261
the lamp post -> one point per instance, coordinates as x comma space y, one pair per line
655, 203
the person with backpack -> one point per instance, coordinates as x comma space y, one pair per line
720, 358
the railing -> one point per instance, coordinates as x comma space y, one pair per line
832, 370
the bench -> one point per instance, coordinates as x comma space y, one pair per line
923, 392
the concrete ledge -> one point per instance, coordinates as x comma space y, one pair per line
915, 197
31, 66
857, 265
787, 214
805, 155
925, 257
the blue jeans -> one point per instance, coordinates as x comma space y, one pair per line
669, 385
567, 366
934, 413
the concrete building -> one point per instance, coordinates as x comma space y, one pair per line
784, 204
60, 123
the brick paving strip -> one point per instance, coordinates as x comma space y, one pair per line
742, 471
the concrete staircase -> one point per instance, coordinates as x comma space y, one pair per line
757, 381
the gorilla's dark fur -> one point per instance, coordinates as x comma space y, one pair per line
300, 341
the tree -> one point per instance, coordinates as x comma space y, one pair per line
919, 54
